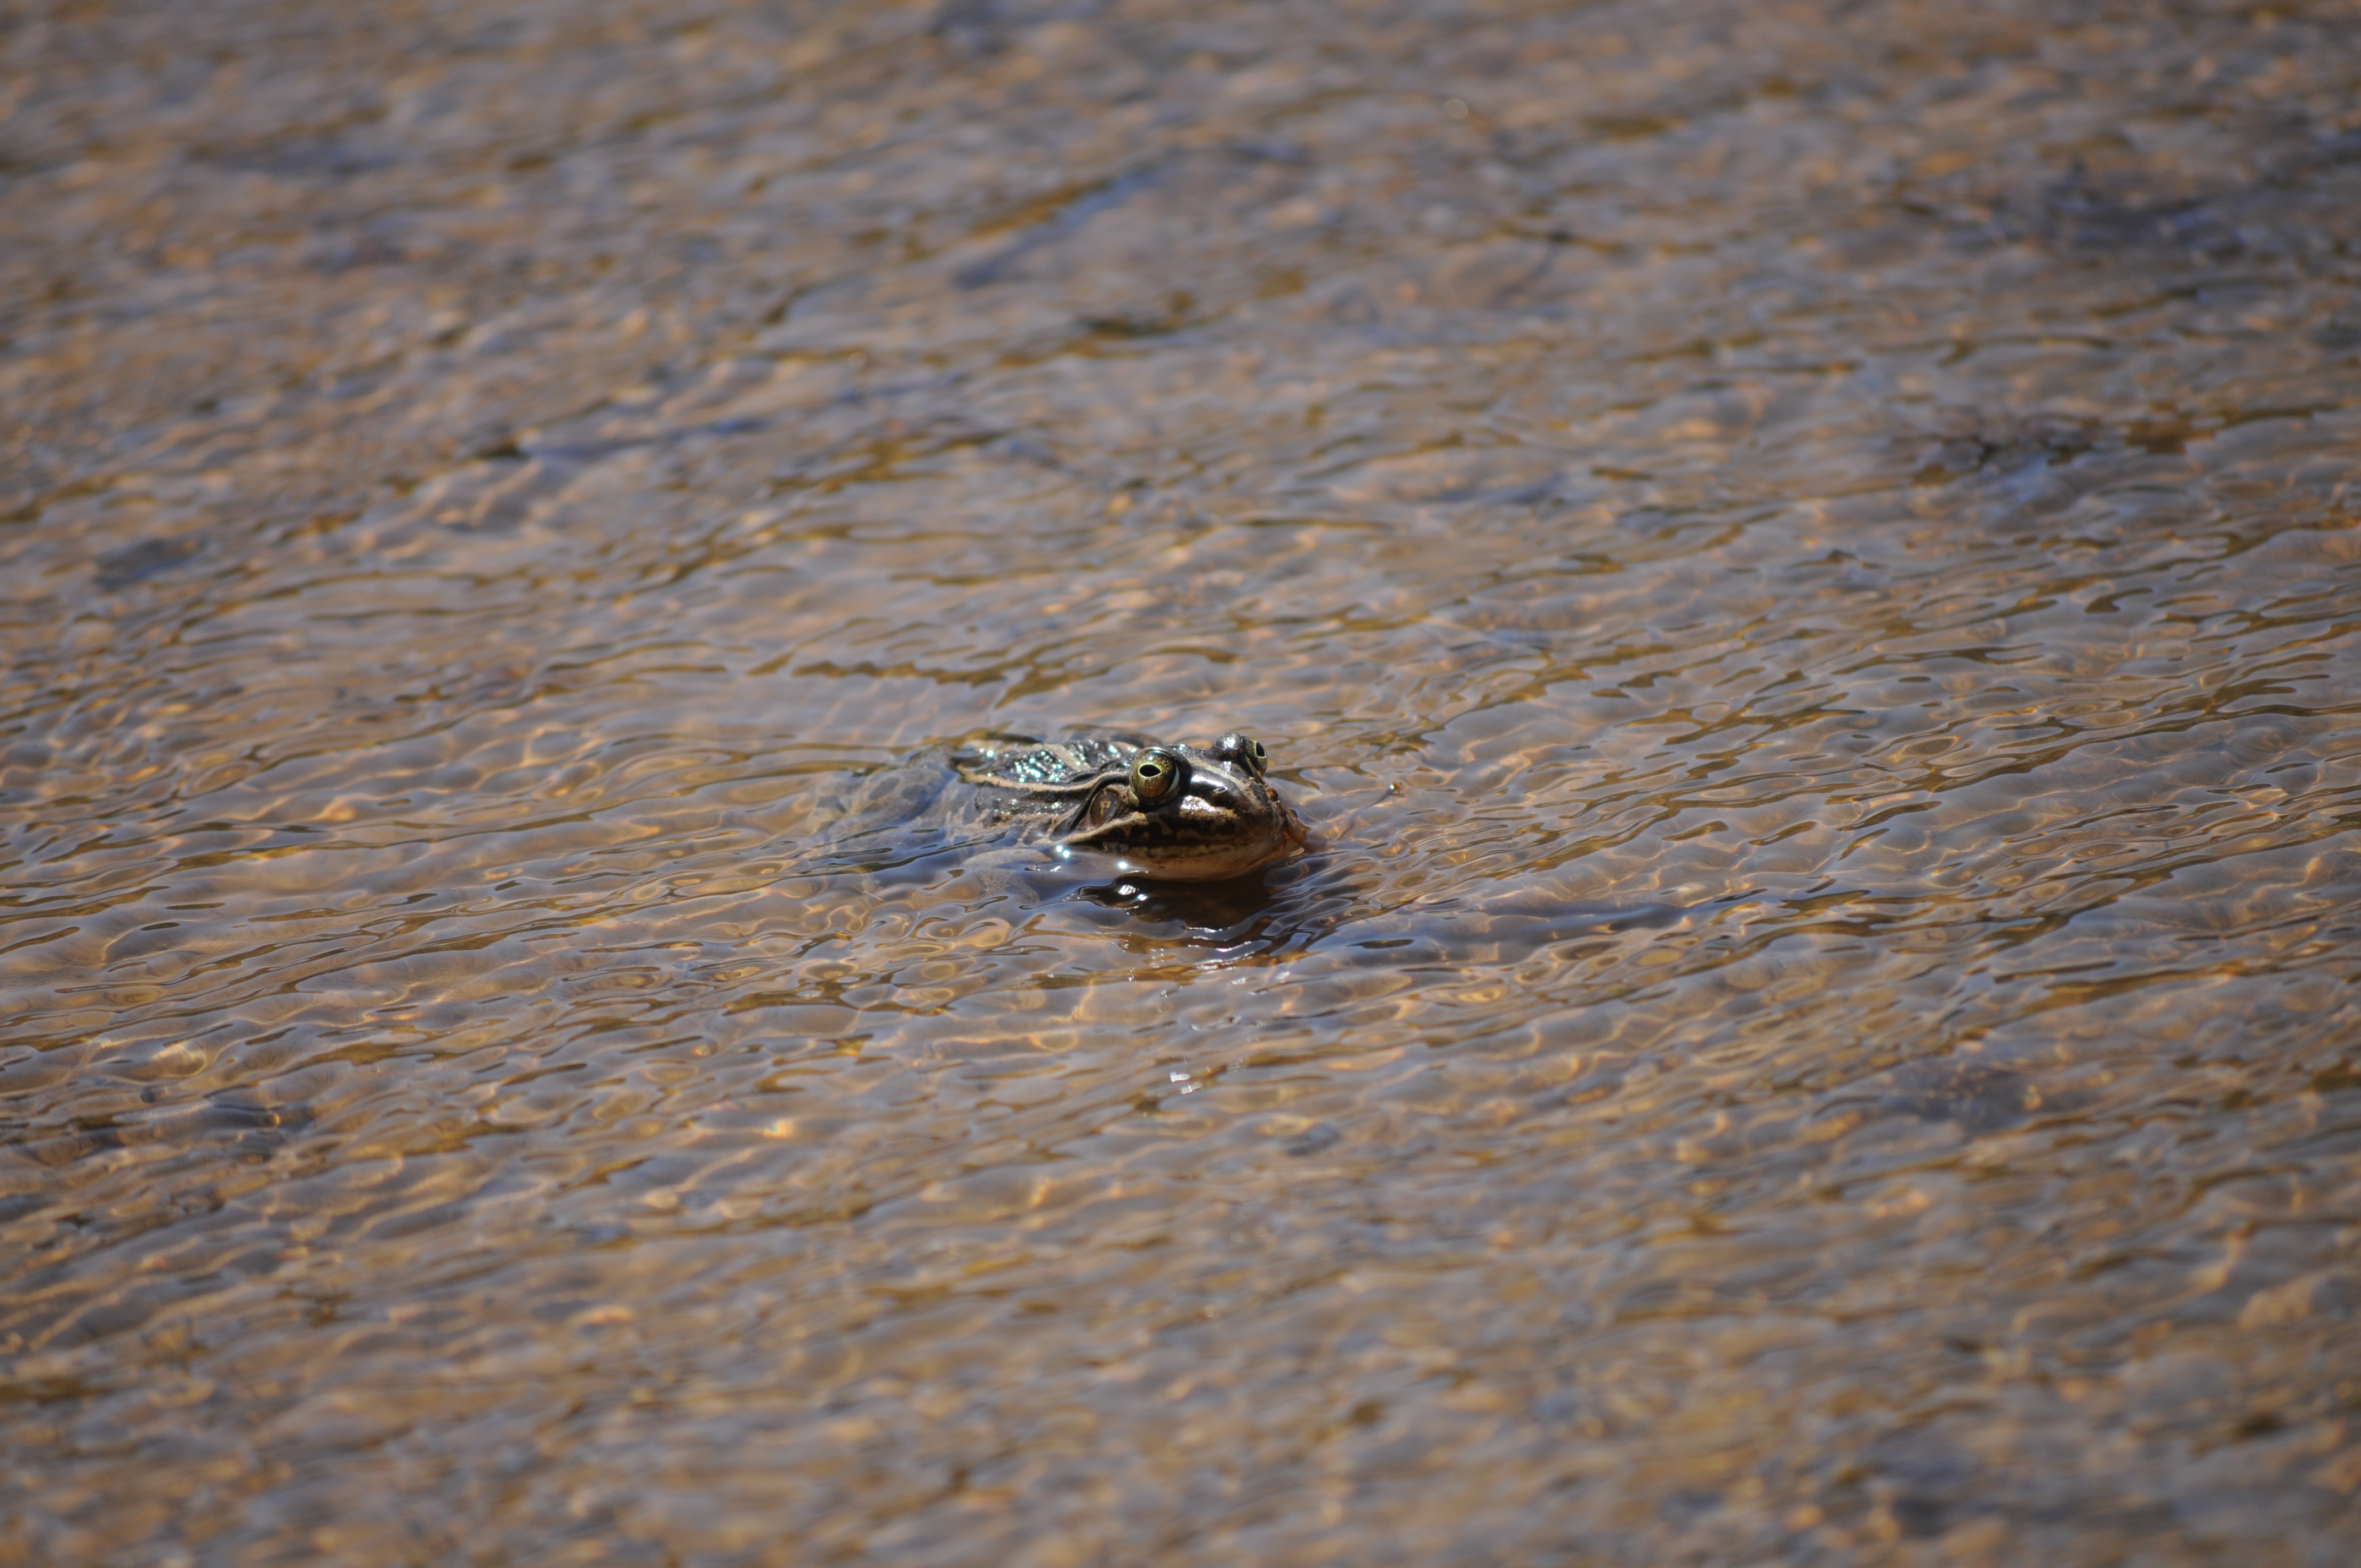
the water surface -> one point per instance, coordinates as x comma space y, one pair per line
1802, 562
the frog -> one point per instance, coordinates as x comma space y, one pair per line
1168, 811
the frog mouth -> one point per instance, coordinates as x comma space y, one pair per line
1192, 859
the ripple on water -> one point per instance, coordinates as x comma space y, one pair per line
1802, 577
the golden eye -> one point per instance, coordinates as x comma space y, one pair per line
1248, 754
1156, 774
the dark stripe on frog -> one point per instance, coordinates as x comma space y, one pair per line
1082, 785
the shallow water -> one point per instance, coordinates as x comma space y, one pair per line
1802, 562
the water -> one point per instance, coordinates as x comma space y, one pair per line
1800, 562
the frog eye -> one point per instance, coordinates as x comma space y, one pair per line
1155, 775
1248, 754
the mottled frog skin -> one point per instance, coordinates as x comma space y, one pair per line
1178, 812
